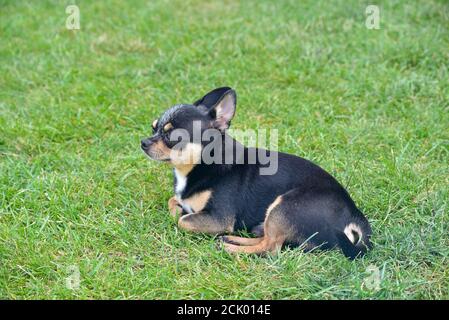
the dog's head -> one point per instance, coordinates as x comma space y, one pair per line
175, 134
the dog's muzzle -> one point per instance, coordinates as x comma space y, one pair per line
145, 144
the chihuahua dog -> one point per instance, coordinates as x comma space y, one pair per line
298, 205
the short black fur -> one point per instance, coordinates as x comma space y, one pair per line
317, 209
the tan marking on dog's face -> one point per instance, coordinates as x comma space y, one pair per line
168, 126
154, 125
198, 201
185, 160
159, 151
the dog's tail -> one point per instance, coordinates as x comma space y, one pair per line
354, 240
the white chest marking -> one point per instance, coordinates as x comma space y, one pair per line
181, 182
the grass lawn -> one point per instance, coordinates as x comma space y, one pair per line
77, 193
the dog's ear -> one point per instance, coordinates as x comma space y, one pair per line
220, 103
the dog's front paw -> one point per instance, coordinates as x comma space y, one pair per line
174, 207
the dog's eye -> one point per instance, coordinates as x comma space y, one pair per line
154, 126
168, 127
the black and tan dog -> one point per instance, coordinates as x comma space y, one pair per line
299, 205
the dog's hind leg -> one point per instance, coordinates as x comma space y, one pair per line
323, 218
241, 240
258, 230
264, 246
276, 231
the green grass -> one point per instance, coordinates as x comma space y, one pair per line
369, 106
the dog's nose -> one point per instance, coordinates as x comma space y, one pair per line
145, 144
